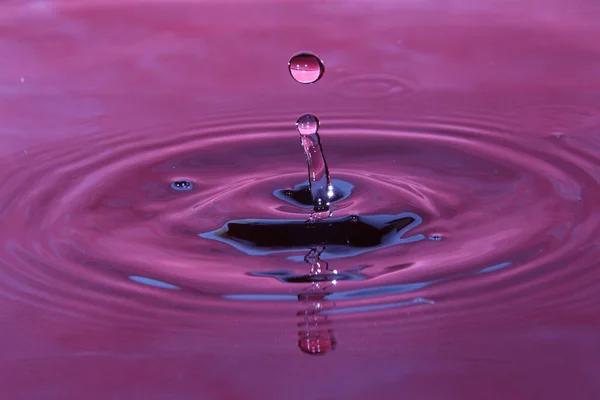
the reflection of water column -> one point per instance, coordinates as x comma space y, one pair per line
315, 335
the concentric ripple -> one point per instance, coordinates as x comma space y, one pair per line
99, 229
371, 86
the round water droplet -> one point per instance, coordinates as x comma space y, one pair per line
182, 185
307, 124
306, 67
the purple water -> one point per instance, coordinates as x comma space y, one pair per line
133, 134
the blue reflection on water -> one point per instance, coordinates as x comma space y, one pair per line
376, 307
379, 291
343, 187
409, 287
153, 282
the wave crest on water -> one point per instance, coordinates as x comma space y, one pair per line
97, 231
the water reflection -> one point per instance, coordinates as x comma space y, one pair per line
315, 332
319, 302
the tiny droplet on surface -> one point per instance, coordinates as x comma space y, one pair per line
436, 237
307, 124
306, 67
182, 185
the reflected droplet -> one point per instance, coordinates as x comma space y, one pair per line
182, 185
306, 67
307, 124
320, 214
317, 343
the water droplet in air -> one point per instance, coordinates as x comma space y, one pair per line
307, 124
182, 185
306, 67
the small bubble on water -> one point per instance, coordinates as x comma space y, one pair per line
436, 237
307, 124
182, 185
306, 67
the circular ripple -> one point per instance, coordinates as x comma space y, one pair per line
561, 119
97, 231
371, 86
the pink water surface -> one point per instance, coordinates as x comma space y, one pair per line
481, 118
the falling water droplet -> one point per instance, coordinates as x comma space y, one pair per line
182, 185
306, 67
318, 174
